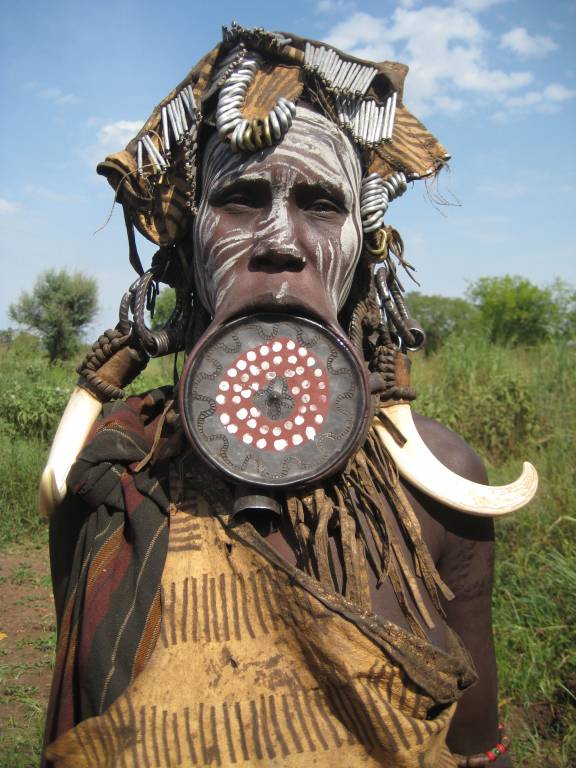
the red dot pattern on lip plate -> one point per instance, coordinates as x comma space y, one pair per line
306, 382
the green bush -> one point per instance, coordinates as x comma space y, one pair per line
477, 395
59, 308
522, 400
32, 410
440, 317
515, 311
21, 463
165, 303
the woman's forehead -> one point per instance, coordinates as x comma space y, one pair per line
314, 149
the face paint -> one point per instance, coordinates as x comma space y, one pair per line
280, 229
276, 243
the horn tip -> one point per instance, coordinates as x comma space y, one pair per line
49, 495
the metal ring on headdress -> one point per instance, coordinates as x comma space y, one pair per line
257, 134
246, 139
381, 247
266, 131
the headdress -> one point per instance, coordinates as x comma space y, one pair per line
246, 89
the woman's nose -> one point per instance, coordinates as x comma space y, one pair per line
276, 243
276, 257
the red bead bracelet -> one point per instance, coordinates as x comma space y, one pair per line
478, 761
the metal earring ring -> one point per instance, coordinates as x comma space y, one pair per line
381, 247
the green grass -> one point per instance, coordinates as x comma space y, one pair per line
467, 385
21, 742
21, 462
511, 405
20, 737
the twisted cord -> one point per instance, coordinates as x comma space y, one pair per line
369, 333
105, 347
383, 363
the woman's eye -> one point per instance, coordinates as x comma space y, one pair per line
237, 201
324, 205
241, 196
315, 198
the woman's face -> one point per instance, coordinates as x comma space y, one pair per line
280, 229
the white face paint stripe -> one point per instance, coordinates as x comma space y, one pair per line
329, 157
301, 152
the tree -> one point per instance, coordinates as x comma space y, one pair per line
564, 296
165, 303
6, 336
515, 311
440, 316
58, 310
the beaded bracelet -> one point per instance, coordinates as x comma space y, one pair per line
481, 760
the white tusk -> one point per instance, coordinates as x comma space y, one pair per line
80, 414
417, 464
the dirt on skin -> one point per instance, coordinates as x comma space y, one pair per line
27, 640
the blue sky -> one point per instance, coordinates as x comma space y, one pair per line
495, 80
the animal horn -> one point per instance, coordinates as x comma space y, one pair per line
418, 465
80, 414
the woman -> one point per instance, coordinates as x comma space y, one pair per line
317, 622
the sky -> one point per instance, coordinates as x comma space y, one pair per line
494, 80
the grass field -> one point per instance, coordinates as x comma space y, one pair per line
516, 405
511, 405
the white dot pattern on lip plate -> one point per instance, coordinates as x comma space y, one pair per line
304, 387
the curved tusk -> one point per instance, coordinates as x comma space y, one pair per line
79, 415
417, 464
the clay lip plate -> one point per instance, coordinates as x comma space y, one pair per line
274, 400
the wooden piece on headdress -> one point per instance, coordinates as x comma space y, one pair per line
270, 83
413, 149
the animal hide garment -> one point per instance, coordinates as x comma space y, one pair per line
225, 653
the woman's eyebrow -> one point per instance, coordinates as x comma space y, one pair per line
323, 187
237, 174
240, 184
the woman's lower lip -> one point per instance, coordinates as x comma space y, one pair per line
278, 307
303, 294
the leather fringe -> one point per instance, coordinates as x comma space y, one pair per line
352, 506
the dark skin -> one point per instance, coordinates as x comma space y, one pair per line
462, 546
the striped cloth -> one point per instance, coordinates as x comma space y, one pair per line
186, 640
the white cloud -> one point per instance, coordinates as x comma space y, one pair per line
333, 6
52, 94
444, 47
507, 190
546, 100
449, 105
7, 208
521, 42
360, 29
52, 195
472, 5
447, 48
58, 96
111, 137
477, 6
114, 136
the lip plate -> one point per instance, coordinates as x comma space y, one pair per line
317, 459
